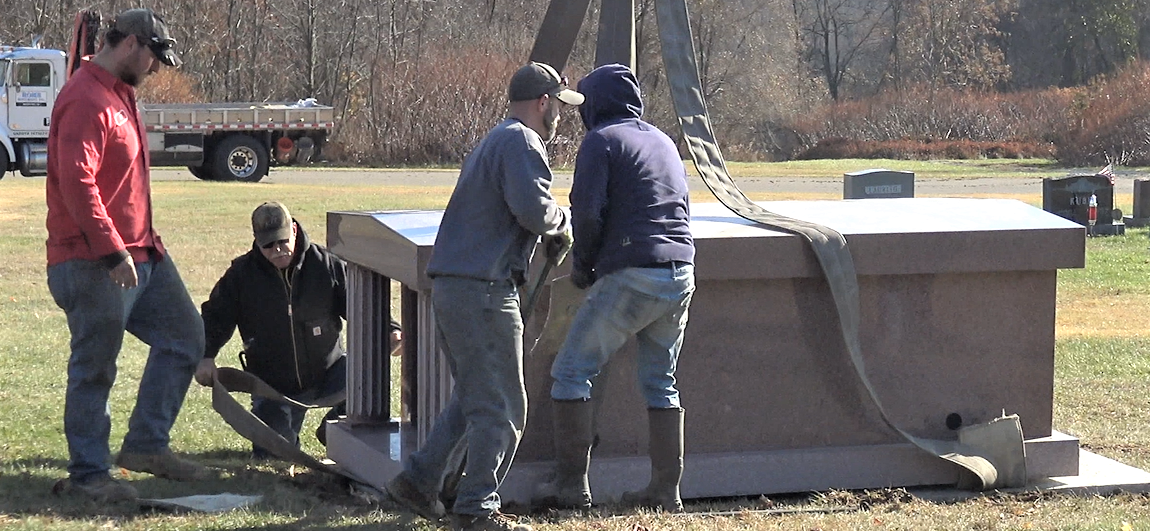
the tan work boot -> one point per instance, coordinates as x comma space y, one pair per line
666, 451
164, 464
104, 489
496, 521
404, 492
573, 422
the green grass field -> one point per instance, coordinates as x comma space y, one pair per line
1102, 386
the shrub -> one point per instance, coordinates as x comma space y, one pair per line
842, 148
1109, 122
169, 85
922, 121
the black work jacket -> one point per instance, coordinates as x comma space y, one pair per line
289, 320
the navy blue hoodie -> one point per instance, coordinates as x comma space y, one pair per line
629, 205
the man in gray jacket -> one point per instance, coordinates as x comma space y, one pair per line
501, 205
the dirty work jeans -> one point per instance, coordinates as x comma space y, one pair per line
479, 328
161, 314
649, 303
286, 419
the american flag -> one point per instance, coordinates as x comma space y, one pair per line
1107, 171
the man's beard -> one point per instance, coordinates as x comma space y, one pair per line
130, 78
550, 124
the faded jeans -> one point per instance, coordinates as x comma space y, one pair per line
287, 419
479, 328
649, 303
160, 313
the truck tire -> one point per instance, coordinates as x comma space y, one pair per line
201, 173
3, 161
239, 158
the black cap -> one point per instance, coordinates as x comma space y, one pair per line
147, 25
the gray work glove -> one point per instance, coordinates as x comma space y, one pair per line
558, 246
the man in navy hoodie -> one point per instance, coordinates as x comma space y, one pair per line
633, 248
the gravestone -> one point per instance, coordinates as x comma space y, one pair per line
956, 325
1141, 217
1069, 197
878, 183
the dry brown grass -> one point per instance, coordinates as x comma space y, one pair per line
1102, 395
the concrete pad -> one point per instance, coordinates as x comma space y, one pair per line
1097, 475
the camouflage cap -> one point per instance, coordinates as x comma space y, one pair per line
271, 222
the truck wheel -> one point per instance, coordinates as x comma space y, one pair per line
3, 162
201, 173
240, 158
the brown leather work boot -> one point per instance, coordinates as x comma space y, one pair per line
164, 464
104, 489
404, 492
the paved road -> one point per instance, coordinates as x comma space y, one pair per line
923, 186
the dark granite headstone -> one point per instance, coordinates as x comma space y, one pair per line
871, 184
1069, 197
1141, 217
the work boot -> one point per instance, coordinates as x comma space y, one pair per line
495, 521
164, 464
666, 451
404, 492
573, 421
103, 489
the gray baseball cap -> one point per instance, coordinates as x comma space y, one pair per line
271, 222
536, 79
147, 25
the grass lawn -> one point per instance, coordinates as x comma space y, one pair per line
1102, 387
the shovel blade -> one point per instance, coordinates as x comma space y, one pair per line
566, 299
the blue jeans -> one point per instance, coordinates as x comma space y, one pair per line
479, 328
161, 314
286, 419
648, 303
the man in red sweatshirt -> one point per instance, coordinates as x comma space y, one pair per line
108, 269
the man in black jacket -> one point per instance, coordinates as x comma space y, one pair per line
287, 296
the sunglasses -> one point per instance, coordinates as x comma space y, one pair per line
272, 245
157, 45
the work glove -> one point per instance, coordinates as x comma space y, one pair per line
582, 279
206, 372
558, 246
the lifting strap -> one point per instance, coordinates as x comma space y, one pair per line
829, 246
228, 380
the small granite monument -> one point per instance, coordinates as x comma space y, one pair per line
878, 183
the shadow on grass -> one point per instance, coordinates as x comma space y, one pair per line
28, 488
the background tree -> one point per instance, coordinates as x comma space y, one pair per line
835, 33
418, 82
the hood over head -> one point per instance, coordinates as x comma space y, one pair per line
610, 92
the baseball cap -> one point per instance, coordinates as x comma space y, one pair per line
147, 25
536, 79
271, 222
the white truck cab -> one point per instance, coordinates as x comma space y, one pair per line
31, 79
236, 141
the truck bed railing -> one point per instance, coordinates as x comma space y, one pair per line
253, 116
